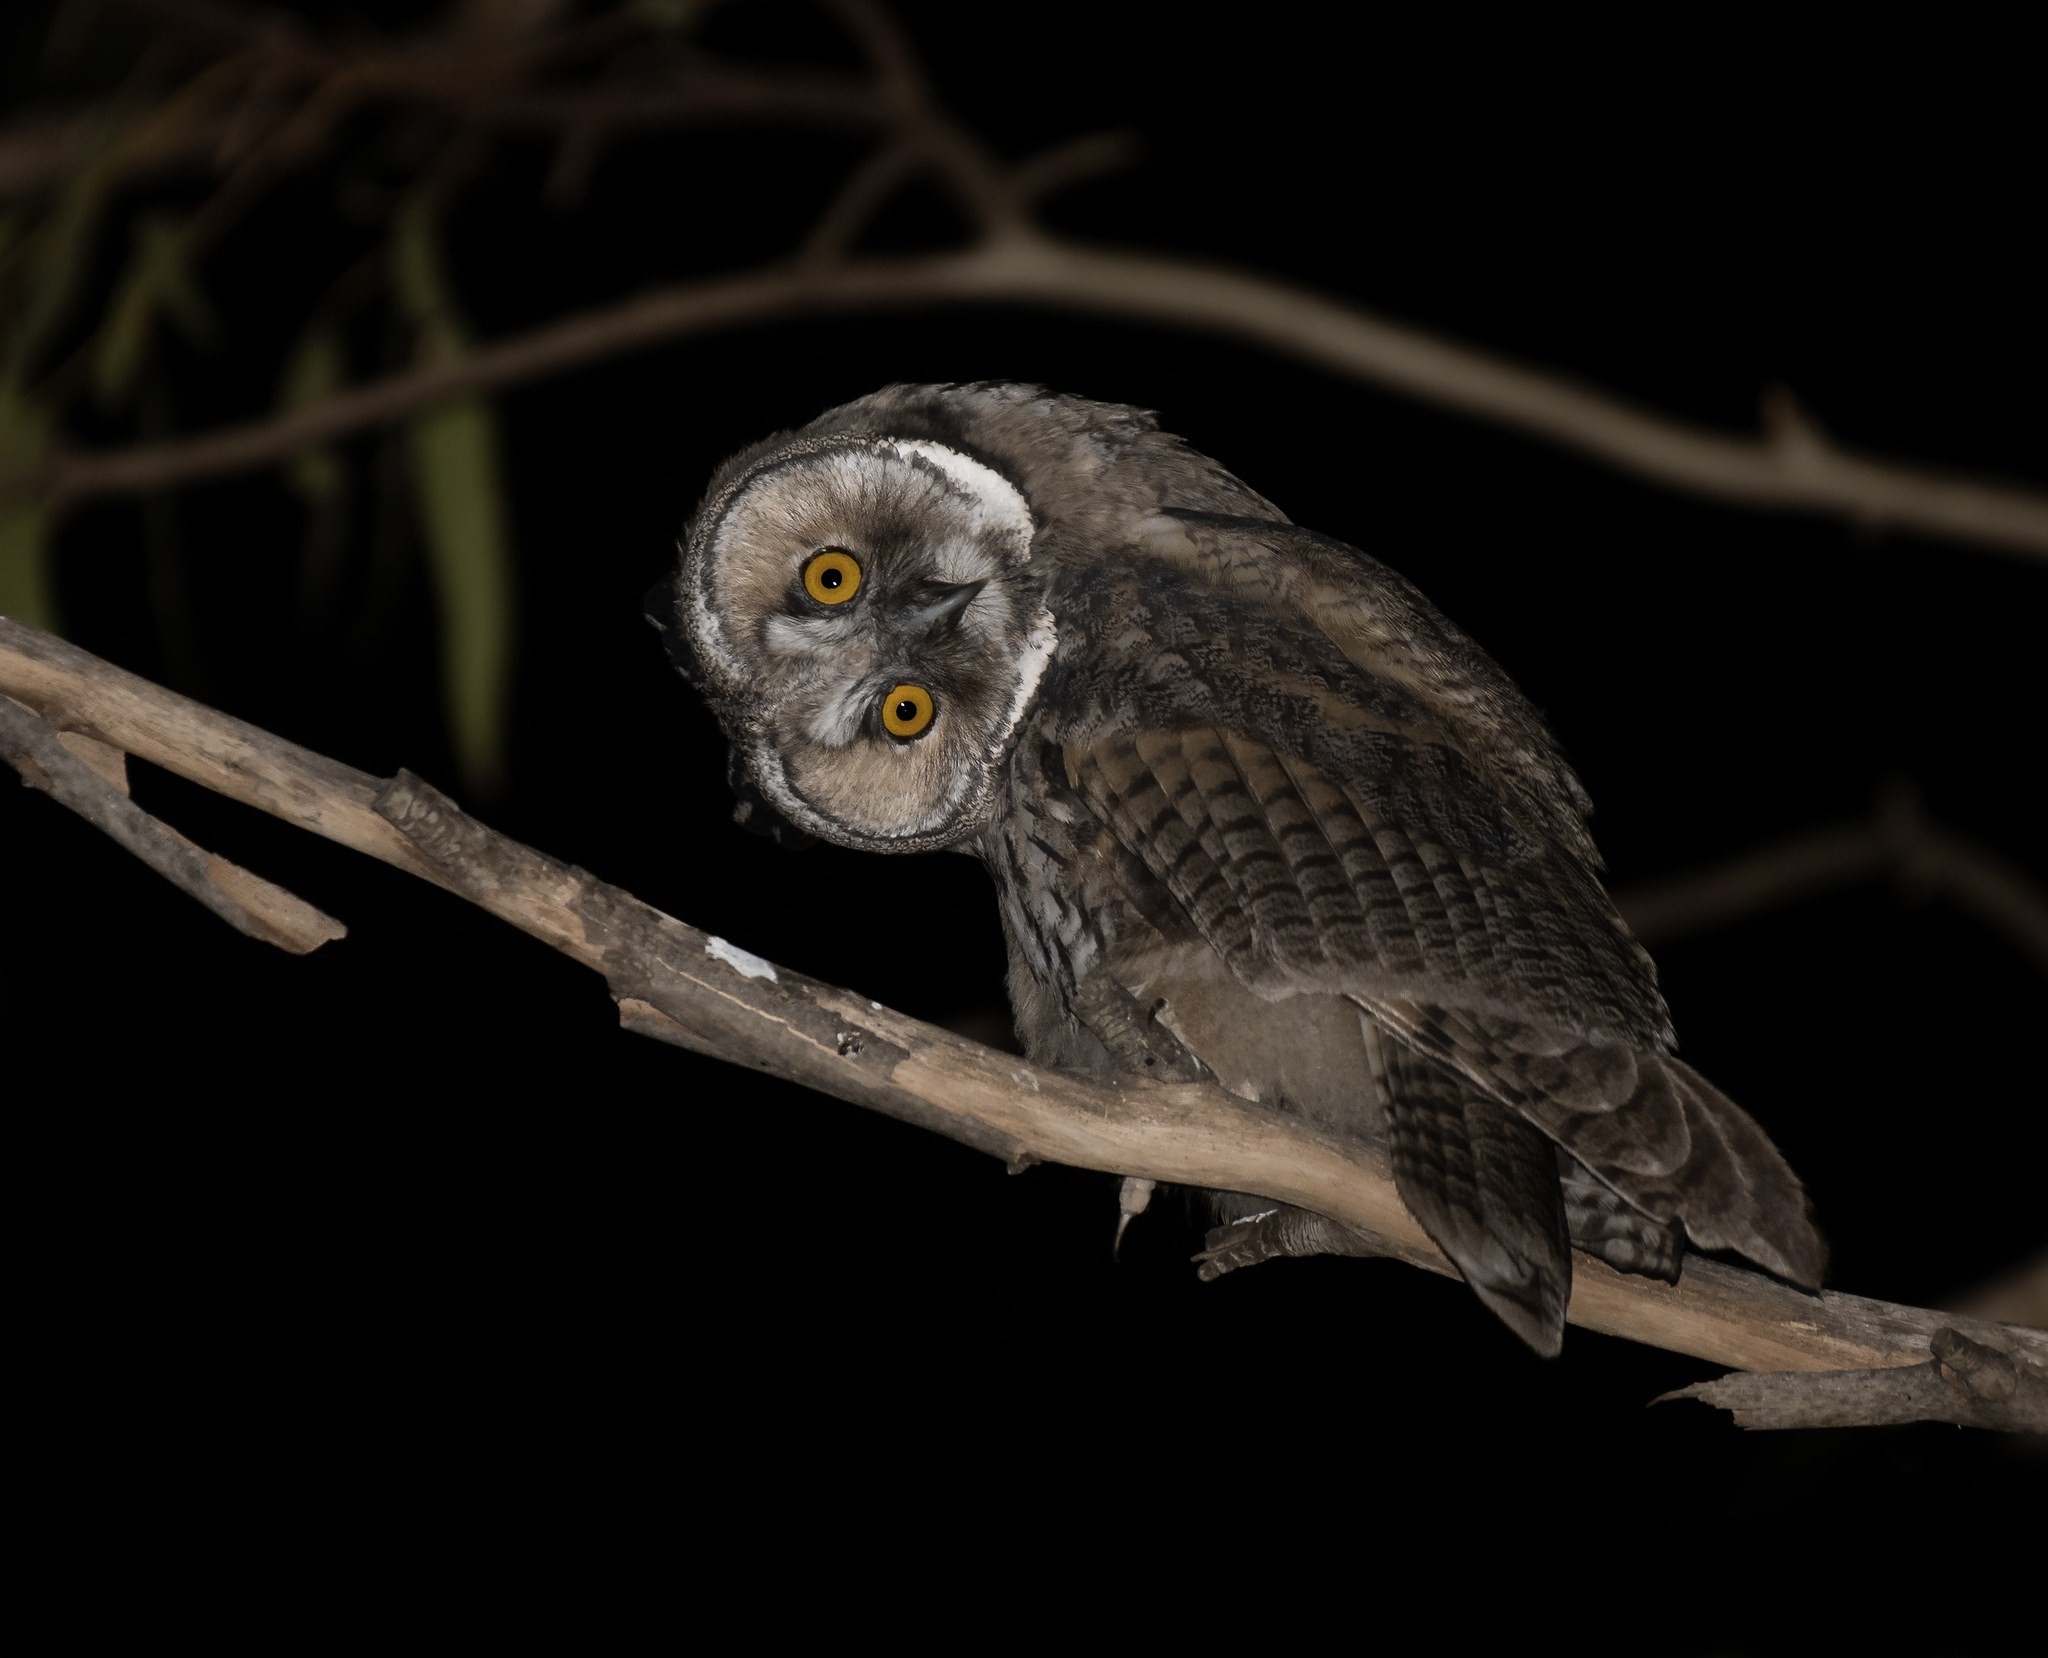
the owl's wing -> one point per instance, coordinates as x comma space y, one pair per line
1302, 885
1414, 843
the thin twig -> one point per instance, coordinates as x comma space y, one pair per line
684, 986
38, 152
1900, 841
1995, 890
453, 56
1072, 163
1801, 867
699, 95
870, 184
884, 45
227, 28
983, 188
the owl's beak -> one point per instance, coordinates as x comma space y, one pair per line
941, 607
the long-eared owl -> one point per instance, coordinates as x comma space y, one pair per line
1239, 786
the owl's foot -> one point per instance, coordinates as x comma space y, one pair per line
1267, 1236
1243, 1243
1139, 1040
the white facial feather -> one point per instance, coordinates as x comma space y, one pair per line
969, 524
764, 510
806, 635
837, 720
1002, 517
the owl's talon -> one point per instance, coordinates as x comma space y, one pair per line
1131, 1200
1243, 1243
1273, 1233
1138, 1039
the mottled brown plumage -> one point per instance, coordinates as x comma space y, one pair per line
1245, 777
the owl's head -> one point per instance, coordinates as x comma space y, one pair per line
860, 613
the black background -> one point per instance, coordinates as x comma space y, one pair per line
402, 1253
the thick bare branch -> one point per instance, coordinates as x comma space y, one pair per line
685, 986
1029, 268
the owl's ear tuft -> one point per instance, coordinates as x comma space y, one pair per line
663, 610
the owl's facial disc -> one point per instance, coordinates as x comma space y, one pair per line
872, 634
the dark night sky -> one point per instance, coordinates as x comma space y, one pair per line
408, 1229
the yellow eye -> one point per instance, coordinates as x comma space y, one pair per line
906, 711
832, 576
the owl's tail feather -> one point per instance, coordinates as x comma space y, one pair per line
1680, 1150
1645, 1125
1604, 1223
1484, 1185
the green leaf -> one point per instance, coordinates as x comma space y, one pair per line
164, 245
458, 486
26, 592
313, 372
456, 479
123, 338
416, 262
53, 261
157, 282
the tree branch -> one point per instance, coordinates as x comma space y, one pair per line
1029, 267
1965, 1382
870, 184
246, 902
39, 151
1899, 841
684, 986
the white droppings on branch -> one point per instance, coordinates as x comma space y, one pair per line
743, 962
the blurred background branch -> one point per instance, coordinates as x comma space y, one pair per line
487, 86
1925, 860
